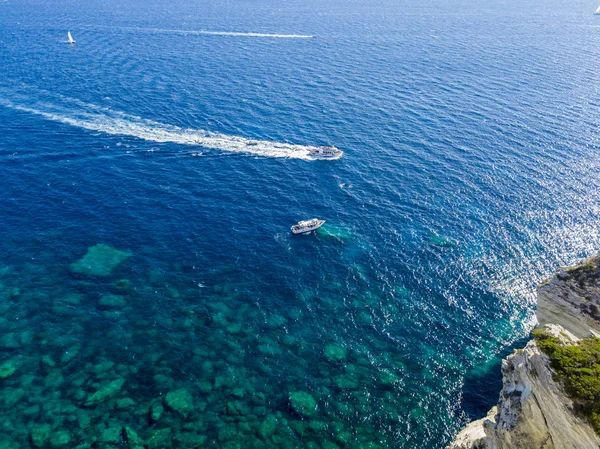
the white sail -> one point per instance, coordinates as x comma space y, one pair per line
71, 40
597, 11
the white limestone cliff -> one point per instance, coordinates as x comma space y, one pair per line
533, 411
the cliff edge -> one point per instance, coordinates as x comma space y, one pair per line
534, 411
571, 298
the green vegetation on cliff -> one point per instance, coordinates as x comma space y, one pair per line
578, 368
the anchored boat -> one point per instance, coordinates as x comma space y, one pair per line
328, 152
306, 226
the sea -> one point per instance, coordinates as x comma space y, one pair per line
151, 292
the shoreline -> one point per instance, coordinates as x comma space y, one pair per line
533, 410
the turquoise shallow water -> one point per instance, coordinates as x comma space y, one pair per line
470, 171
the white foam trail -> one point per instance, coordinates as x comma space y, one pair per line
217, 33
117, 123
234, 33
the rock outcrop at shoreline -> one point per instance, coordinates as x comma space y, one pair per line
534, 411
571, 298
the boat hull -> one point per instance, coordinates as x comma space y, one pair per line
326, 153
305, 230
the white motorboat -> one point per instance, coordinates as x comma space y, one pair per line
306, 226
70, 39
328, 152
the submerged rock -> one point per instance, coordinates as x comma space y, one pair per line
32, 411
238, 393
105, 392
124, 403
83, 419
303, 403
10, 341
60, 438
112, 301
180, 401
9, 367
160, 439
8, 293
70, 353
402, 292
268, 426
73, 299
12, 396
335, 353
122, 284
190, 440
388, 379
275, 321
234, 328
48, 360
54, 380
105, 366
205, 387
364, 318
270, 348
40, 435
346, 382
111, 435
5, 270
156, 411
132, 438
100, 260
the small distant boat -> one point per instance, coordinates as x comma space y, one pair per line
70, 39
328, 152
597, 11
306, 226
252, 143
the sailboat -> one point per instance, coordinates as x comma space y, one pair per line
597, 11
70, 38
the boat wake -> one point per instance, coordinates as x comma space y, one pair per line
215, 33
108, 121
239, 34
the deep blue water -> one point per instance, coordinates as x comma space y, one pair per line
470, 133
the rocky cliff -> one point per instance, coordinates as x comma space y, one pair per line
571, 298
534, 411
